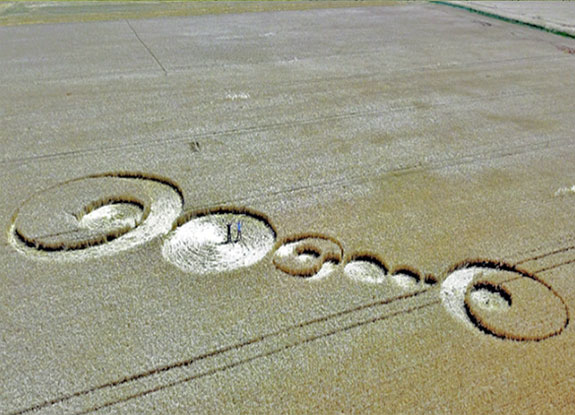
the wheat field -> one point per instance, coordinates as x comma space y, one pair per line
327, 209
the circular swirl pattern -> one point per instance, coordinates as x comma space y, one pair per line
201, 244
504, 302
310, 256
95, 216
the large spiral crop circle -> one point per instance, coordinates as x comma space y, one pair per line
95, 216
504, 302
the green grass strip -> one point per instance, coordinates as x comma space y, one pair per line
505, 19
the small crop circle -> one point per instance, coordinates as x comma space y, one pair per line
116, 215
310, 256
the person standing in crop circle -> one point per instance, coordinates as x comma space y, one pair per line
229, 238
239, 234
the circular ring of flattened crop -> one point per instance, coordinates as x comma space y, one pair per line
310, 256
95, 216
208, 242
504, 302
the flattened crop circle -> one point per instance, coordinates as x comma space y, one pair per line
95, 216
310, 256
208, 242
504, 302
367, 269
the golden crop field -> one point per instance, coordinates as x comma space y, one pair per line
289, 207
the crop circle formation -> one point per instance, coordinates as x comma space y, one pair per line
366, 270
201, 243
104, 214
504, 302
370, 268
95, 216
310, 256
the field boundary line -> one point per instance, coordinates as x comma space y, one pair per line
507, 19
